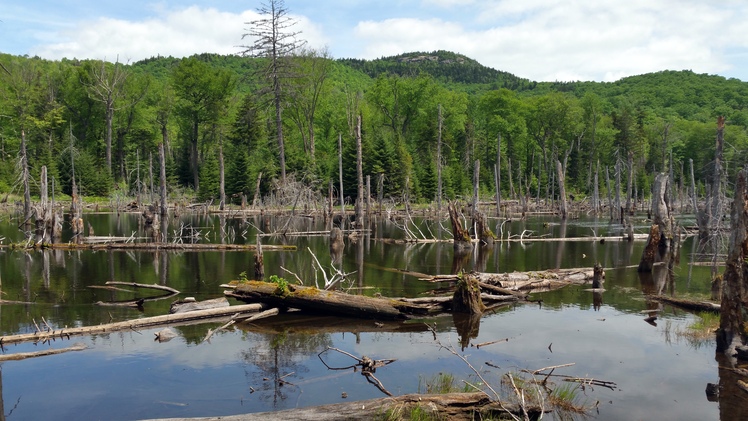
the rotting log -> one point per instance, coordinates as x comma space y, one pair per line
145, 322
451, 406
327, 302
532, 281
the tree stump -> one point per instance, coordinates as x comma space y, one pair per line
461, 236
597, 276
259, 261
485, 234
466, 298
660, 237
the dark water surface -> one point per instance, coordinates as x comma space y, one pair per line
659, 373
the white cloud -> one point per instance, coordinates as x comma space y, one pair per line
177, 33
568, 40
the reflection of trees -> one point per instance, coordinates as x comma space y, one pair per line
278, 354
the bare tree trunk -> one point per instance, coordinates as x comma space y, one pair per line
497, 170
610, 193
340, 176
630, 184
439, 163
660, 240
25, 175
162, 179
561, 189
732, 337
619, 213
221, 175
476, 180
256, 199
359, 176
368, 197
596, 193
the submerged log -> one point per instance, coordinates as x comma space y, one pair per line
328, 302
690, 305
451, 406
145, 322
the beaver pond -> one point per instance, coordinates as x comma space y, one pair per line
658, 361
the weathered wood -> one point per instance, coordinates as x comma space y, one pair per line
690, 305
163, 246
531, 281
24, 355
327, 302
660, 238
466, 298
185, 306
597, 276
259, 261
145, 322
449, 406
732, 333
151, 286
462, 241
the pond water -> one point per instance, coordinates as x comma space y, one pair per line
659, 372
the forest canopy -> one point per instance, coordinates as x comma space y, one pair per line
108, 120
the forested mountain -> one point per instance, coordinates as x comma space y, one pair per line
107, 121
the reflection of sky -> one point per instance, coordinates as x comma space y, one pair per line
130, 375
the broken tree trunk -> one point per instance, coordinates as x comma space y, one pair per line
483, 231
461, 236
562, 206
466, 298
323, 301
259, 261
660, 240
597, 276
732, 333
145, 322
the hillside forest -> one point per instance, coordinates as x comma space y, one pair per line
420, 114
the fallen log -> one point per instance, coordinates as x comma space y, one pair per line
24, 355
188, 305
451, 406
532, 281
328, 302
691, 305
145, 322
143, 246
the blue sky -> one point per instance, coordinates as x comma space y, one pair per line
543, 40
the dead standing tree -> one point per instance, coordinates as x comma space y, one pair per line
709, 217
660, 243
273, 39
732, 337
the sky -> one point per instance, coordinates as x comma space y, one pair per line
542, 40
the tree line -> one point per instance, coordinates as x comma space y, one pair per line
422, 114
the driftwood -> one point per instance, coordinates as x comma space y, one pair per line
532, 281
145, 322
328, 302
24, 355
186, 305
449, 406
690, 305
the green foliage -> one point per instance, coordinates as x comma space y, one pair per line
281, 285
194, 103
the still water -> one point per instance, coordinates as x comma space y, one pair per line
659, 372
